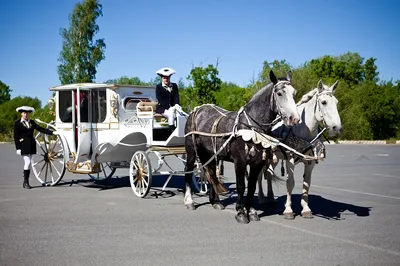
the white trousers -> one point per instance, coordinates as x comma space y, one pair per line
27, 161
170, 114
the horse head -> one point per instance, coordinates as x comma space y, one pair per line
326, 109
282, 100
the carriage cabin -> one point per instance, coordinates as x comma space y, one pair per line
111, 121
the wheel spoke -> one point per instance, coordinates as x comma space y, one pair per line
42, 169
145, 182
104, 170
34, 164
51, 173
55, 168
38, 143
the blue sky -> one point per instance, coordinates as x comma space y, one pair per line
144, 35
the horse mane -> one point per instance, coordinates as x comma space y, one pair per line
307, 97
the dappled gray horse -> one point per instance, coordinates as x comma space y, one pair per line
213, 134
318, 105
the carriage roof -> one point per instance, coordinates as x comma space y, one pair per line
92, 86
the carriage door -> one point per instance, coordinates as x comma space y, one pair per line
83, 131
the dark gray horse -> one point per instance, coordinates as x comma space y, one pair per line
211, 130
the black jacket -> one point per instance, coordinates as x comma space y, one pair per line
23, 136
165, 98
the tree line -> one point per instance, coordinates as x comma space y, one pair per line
369, 107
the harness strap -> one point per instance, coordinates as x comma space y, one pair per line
215, 124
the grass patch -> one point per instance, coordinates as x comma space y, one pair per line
6, 137
391, 141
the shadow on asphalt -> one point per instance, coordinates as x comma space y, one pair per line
175, 186
320, 207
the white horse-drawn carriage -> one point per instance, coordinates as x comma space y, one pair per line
102, 127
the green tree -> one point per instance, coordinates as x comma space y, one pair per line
9, 114
381, 105
371, 73
280, 69
231, 97
205, 84
4, 92
124, 80
80, 55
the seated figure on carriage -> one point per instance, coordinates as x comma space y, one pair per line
167, 95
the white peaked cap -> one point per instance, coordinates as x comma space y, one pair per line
166, 72
27, 109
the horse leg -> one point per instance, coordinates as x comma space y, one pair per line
288, 212
308, 167
255, 171
268, 175
190, 161
213, 196
240, 169
261, 196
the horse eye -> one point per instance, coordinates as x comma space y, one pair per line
279, 93
323, 102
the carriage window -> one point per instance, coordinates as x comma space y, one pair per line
65, 106
84, 105
131, 103
99, 111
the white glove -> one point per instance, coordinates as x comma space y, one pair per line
56, 133
178, 107
18, 152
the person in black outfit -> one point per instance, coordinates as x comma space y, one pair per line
167, 95
25, 141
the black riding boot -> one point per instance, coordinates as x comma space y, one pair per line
26, 179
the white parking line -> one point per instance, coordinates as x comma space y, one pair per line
387, 175
357, 192
324, 235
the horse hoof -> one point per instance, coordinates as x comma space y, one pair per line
190, 206
242, 219
307, 215
218, 206
289, 216
254, 217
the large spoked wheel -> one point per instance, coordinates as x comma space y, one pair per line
140, 174
106, 171
48, 164
199, 180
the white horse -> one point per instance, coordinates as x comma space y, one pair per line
318, 105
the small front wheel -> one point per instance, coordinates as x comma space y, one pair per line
106, 171
140, 174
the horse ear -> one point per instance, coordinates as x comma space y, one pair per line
333, 87
289, 76
320, 86
272, 77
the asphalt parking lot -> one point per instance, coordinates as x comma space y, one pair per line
355, 198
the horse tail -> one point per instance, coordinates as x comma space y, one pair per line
216, 182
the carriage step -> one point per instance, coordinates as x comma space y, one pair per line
170, 150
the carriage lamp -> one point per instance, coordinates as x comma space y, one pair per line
113, 103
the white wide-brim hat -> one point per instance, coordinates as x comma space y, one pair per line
27, 109
165, 72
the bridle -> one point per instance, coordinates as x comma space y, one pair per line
274, 105
318, 105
